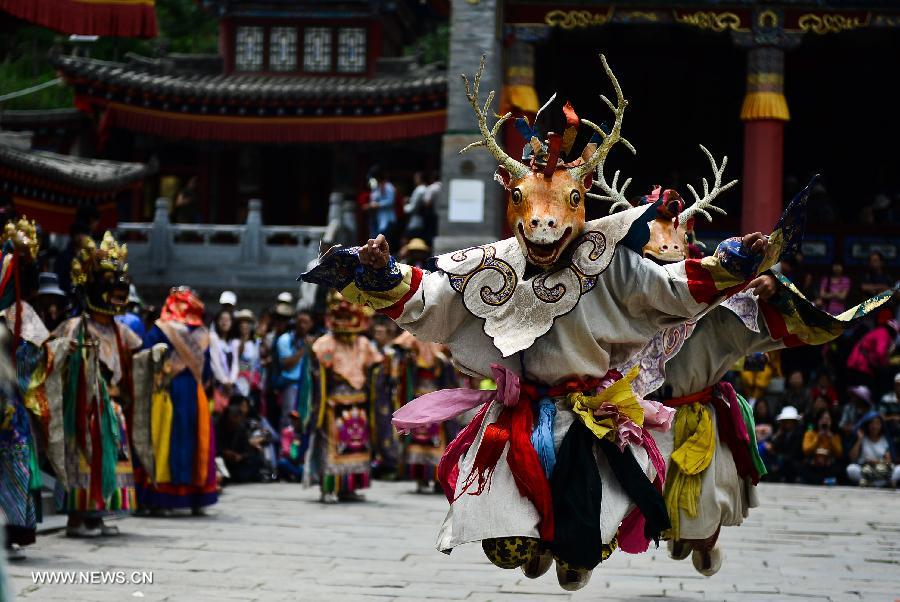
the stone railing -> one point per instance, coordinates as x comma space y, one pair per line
248, 257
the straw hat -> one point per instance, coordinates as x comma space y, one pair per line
244, 314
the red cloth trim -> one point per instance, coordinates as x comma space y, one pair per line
126, 18
778, 328
702, 285
395, 310
703, 396
170, 124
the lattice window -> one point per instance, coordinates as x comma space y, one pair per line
351, 50
248, 48
282, 49
317, 49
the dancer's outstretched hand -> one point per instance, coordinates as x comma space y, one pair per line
375, 253
763, 286
756, 243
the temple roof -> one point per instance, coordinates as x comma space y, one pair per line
162, 78
188, 97
78, 172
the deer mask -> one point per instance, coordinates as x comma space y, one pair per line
545, 209
672, 232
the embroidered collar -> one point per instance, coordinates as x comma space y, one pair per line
517, 310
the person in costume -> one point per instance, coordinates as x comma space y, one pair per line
712, 457
560, 452
22, 414
183, 474
342, 447
423, 368
89, 382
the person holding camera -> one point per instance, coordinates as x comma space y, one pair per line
822, 451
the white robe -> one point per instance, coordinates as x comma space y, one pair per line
613, 302
716, 342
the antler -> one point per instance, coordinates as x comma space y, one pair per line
701, 205
615, 134
515, 168
613, 194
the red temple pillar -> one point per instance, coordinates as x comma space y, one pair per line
764, 113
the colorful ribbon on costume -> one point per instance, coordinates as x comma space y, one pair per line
513, 426
695, 443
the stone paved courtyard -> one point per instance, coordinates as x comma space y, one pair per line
275, 542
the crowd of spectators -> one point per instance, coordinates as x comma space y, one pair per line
830, 414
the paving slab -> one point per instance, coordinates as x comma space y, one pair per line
273, 542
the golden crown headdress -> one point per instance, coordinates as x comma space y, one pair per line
23, 234
109, 256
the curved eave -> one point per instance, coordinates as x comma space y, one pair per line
259, 108
69, 175
123, 18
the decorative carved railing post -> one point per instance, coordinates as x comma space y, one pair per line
160, 238
252, 241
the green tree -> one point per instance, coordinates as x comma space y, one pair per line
183, 27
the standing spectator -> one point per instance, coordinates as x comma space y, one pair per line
432, 196
833, 290
872, 462
381, 203
417, 208
786, 445
186, 209
249, 377
223, 359
822, 451
875, 280
294, 380
51, 302
227, 301
868, 362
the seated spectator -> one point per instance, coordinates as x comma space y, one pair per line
810, 416
795, 394
756, 375
822, 451
243, 456
875, 279
263, 436
889, 408
872, 462
859, 405
290, 462
833, 290
785, 446
824, 388
762, 414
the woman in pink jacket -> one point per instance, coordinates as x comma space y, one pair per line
868, 362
